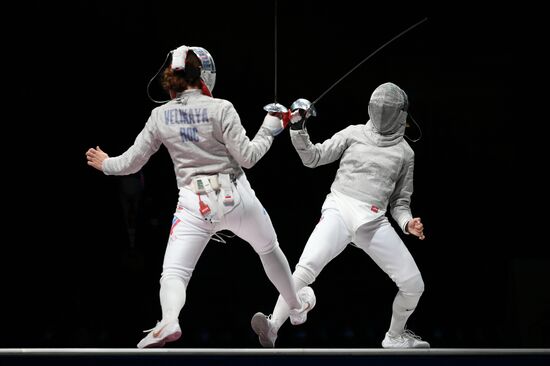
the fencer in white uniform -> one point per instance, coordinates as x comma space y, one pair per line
208, 146
375, 173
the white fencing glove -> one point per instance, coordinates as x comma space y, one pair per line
276, 122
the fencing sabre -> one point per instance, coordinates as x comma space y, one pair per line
310, 111
275, 107
368, 57
307, 108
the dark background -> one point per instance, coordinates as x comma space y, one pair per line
75, 276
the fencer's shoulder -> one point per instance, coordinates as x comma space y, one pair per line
406, 148
222, 103
354, 131
355, 128
168, 105
159, 110
351, 129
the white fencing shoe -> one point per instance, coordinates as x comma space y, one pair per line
407, 339
263, 327
161, 334
307, 299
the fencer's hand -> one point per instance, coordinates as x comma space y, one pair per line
275, 122
96, 157
284, 116
297, 116
301, 109
297, 119
416, 228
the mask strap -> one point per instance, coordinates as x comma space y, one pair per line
419, 130
153, 78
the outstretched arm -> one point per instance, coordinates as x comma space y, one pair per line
96, 157
314, 155
133, 159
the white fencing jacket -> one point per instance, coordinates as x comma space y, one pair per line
203, 135
376, 162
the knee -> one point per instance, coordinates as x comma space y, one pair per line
181, 274
304, 274
266, 248
414, 286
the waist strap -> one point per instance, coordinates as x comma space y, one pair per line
211, 185
199, 185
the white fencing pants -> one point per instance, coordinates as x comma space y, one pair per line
379, 240
190, 233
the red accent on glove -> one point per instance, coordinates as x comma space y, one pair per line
286, 118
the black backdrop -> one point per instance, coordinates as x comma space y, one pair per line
73, 275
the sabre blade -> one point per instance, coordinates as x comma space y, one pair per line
368, 57
275, 107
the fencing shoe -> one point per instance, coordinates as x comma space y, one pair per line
161, 334
263, 327
307, 299
407, 339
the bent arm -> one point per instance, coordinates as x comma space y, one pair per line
245, 151
319, 154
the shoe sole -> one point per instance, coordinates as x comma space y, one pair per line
160, 342
394, 347
261, 327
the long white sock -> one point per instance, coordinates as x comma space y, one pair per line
404, 304
281, 312
172, 297
278, 271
